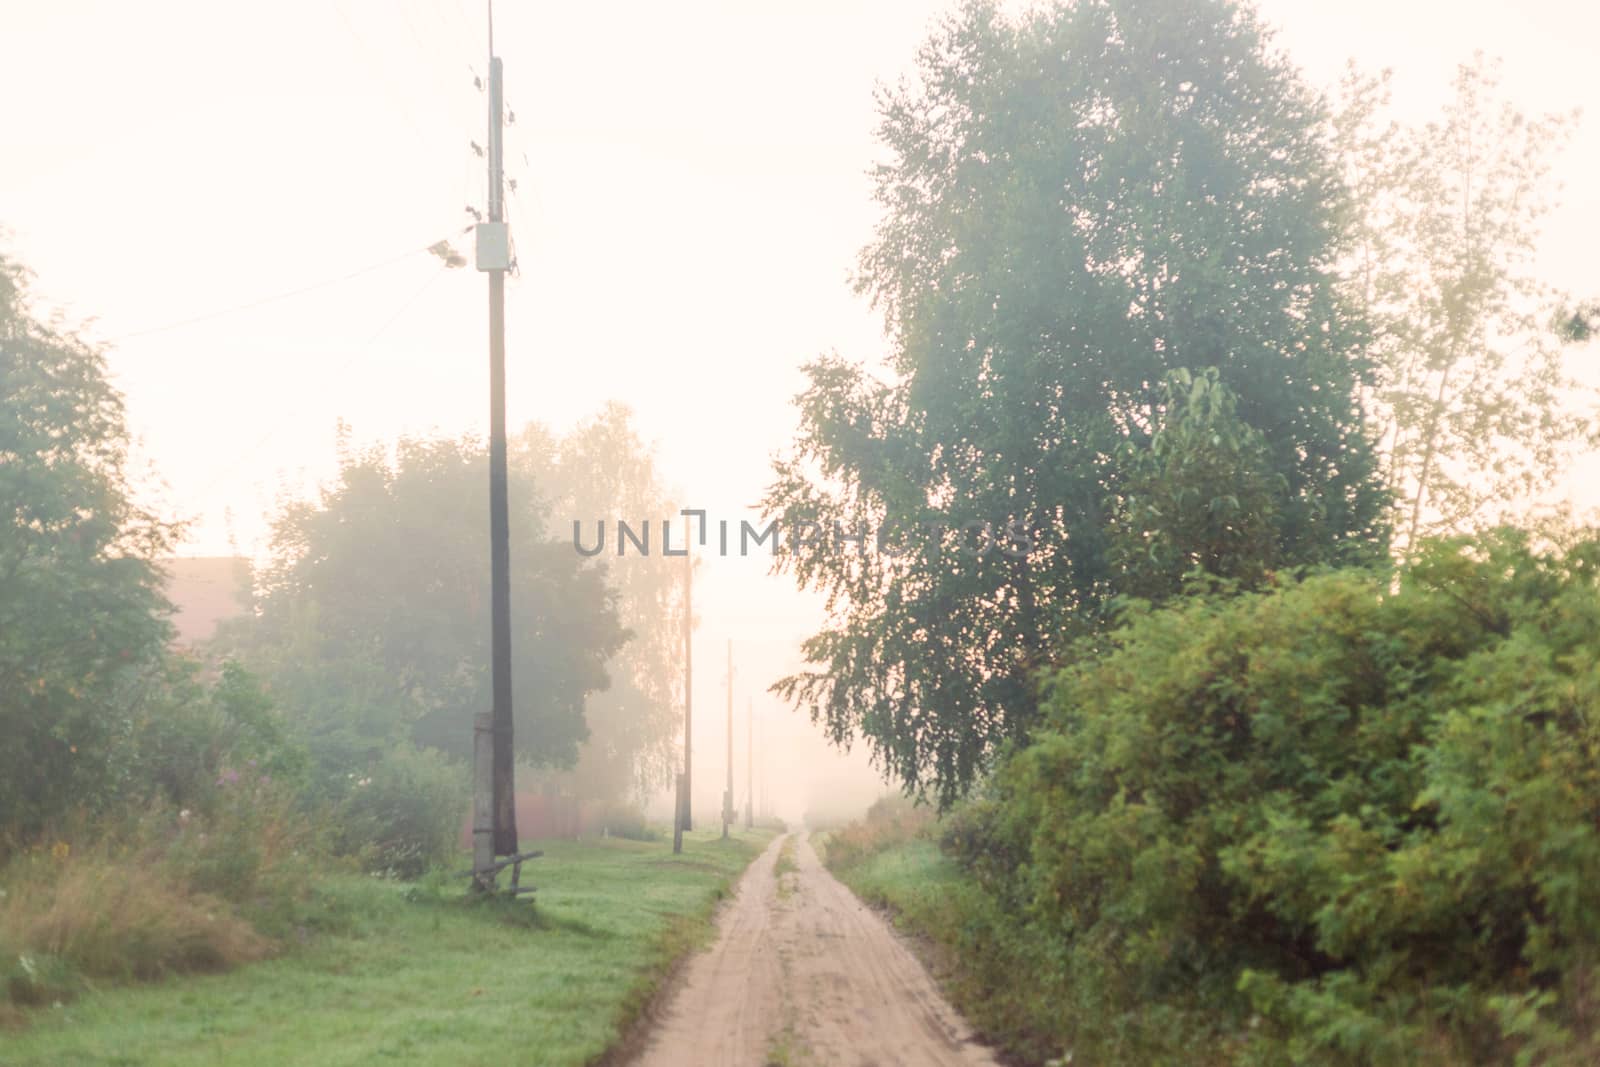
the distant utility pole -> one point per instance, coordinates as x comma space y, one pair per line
680, 811
749, 764
688, 679
727, 794
493, 240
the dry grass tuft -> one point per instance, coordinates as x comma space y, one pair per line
892, 820
121, 919
163, 893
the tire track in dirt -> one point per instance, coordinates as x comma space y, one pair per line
806, 975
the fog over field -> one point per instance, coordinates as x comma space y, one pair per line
924, 533
691, 191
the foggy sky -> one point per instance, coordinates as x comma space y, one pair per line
693, 195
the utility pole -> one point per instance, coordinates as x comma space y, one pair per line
688, 681
493, 251
749, 764
727, 794
680, 815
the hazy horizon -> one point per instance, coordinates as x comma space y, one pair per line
690, 199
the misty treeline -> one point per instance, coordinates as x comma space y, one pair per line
348, 682
369, 619
1164, 306
167, 809
148, 820
1277, 745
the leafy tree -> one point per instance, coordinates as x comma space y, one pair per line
1471, 395
1364, 807
403, 815
1200, 495
196, 721
1578, 323
1077, 200
82, 618
603, 470
372, 622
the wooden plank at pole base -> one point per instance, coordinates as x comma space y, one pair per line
496, 866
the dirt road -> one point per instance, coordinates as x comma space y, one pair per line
803, 973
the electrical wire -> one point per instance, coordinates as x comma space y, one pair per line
282, 419
406, 110
263, 301
465, 40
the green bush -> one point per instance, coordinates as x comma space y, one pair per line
627, 821
191, 733
33, 980
155, 892
403, 814
891, 820
1351, 820
82, 617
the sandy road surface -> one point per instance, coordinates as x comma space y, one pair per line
806, 975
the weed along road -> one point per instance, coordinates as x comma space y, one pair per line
803, 973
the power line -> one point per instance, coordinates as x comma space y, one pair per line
263, 301
465, 36
405, 108
404, 105
285, 418
444, 93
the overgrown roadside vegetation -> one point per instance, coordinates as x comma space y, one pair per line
1350, 820
961, 937
987, 962
1260, 698
157, 894
170, 811
415, 973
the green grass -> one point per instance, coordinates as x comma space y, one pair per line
913, 878
426, 977
785, 1050
992, 968
785, 865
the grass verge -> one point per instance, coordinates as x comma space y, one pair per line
423, 976
992, 971
151, 894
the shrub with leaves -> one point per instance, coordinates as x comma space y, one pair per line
403, 813
892, 820
1199, 493
82, 617
628, 822
189, 733
1350, 820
